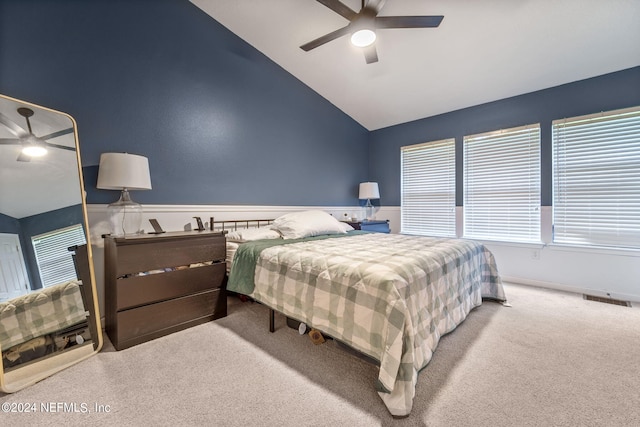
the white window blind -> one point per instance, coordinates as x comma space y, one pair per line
428, 193
55, 261
502, 185
596, 198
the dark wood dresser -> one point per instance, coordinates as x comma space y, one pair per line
159, 284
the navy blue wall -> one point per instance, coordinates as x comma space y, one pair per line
603, 93
219, 122
9, 224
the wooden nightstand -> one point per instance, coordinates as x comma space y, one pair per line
159, 284
379, 226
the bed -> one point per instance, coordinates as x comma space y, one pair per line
391, 297
37, 323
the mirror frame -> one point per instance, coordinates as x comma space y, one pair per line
24, 376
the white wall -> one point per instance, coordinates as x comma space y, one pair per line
600, 272
597, 272
180, 217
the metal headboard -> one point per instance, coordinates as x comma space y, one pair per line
235, 224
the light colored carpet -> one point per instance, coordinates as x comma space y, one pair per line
553, 359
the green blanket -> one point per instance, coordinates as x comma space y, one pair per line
243, 269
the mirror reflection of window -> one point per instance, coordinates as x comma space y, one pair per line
55, 261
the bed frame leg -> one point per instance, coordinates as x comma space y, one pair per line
271, 320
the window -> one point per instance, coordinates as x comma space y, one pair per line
502, 185
596, 193
428, 193
55, 262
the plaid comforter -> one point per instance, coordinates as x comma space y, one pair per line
40, 313
390, 296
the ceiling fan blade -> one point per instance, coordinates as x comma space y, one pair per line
339, 8
370, 54
376, 5
58, 133
325, 39
408, 21
12, 126
64, 147
23, 157
10, 141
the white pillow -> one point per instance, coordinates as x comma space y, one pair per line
296, 225
249, 234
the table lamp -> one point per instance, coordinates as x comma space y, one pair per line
368, 191
123, 171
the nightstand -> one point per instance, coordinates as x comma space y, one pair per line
378, 226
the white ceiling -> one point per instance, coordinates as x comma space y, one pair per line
483, 50
43, 184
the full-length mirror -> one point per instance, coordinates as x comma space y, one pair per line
49, 315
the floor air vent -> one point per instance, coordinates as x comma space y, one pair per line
607, 300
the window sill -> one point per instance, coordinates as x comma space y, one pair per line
525, 245
602, 250
595, 250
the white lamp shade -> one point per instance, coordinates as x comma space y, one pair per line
369, 190
122, 170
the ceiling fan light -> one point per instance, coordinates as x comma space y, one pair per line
363, 38
34, 150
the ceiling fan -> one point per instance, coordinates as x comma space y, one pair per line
362, 25
32, 146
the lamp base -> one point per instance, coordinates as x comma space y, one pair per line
125, 216
369, 211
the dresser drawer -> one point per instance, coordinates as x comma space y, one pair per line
167, 252
151, 321
141, 290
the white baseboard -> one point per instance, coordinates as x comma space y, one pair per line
570, 288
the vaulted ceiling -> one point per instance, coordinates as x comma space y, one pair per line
481, 52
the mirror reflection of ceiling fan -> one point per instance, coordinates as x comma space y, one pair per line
32, 145
362, 25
